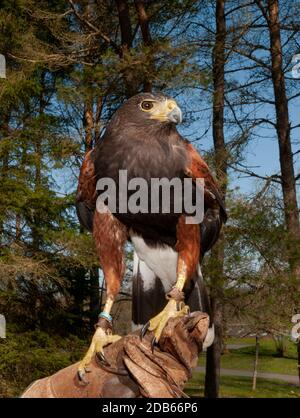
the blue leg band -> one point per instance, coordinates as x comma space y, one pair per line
106, 316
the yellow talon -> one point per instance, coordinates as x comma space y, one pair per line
171, 310
99, 341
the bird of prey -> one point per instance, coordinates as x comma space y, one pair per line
142, 139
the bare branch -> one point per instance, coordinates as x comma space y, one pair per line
94, 28
276, 178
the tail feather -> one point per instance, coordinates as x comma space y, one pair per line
148, 294
196, 296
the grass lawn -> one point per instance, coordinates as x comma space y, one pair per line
241, 387
243, 358
267, 346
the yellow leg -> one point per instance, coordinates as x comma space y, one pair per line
181, 274
173, 309
101, 338
108, 304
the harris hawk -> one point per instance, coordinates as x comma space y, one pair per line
142, 139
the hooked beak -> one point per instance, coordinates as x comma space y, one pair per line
175, 115
167, 111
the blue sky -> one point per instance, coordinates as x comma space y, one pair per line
261, 154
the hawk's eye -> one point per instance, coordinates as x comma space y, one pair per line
147, 105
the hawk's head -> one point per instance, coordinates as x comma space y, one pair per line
150, 108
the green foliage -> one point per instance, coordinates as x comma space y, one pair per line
31, 355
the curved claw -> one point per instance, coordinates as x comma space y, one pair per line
102, 359
153, 342
173, 309
81, 376
144, 330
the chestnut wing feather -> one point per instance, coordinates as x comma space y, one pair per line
197, 168
86, 192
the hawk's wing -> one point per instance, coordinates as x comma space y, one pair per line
197, 168
86, 192
215, 213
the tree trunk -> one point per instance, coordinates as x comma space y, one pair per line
38, 158
298, 351
214, 352
255, 363
125, 24
279, 344
144, 25
4, 130
94, 296
97, 124
213, 363
126, 43
90, 126
219, 96
88, 123
283, 132
284, 141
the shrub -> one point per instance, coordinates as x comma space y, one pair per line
27, 356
